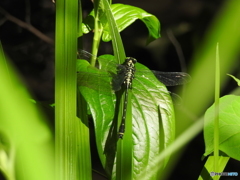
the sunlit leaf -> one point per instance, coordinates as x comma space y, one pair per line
125, 15
229, 127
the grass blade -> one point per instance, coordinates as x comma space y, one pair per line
68, 146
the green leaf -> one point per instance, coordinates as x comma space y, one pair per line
152, 130
101, 103
236, 79
125, 15
229, 127
68, 143
88, 23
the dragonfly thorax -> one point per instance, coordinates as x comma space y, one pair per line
130, 70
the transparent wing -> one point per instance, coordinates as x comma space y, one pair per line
172, 78
97, 81
82, 54
104, 74
167, 78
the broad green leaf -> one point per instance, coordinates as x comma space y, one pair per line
236, 79
149, 96
229, 127
125, 15
153, 121
97, 91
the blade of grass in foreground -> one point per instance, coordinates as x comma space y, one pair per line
68, 147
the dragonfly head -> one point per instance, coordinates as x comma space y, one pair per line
130, 60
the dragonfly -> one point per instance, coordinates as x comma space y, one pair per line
122, 76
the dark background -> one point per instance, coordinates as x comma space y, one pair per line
184, 20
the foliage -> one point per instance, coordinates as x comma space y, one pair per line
229, 118
124, 15
25, 135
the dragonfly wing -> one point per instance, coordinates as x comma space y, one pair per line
93, 78
118, 78
172, 78
167, 78
82, 54
105, 64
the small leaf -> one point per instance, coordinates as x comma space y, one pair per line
88, 23
229, 127
236, 79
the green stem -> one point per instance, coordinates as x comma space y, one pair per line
98, 30
216, 121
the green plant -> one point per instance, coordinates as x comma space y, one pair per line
19, 144
222, 120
